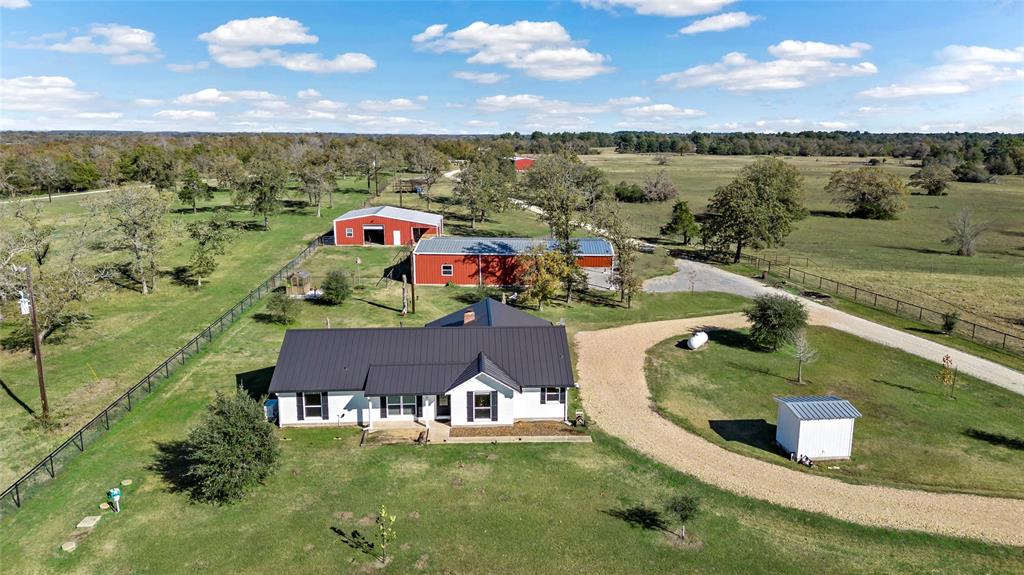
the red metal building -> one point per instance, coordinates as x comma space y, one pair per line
385, 226
522, 164
491, 261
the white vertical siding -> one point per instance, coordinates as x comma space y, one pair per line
787, 430
528, 406
483, 384
826, 438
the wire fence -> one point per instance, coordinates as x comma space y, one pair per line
47, 468
983, 334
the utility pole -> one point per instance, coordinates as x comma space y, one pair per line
37, 342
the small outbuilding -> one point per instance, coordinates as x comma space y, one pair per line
522, 163
385, 226
816, 426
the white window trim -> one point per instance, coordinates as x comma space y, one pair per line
350, 233
476, 408
551, 394
402, 402
451, 270
306, 406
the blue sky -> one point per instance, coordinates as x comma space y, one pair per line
484, 67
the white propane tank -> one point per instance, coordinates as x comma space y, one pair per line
698, 339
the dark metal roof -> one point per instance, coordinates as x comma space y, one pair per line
506, 246
815, 407
341, 359
431, 378
489, 312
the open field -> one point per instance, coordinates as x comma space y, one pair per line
464, 509
911, 435
129, 333
903, 258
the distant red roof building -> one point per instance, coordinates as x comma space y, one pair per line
522, 164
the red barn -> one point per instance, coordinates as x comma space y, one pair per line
522, 164
491, 261
385, 226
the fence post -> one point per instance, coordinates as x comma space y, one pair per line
1004, 341
17, 494
920, 313
897, 306
106, 419
876, 300
974, 328
129, 396
50, 461
81, 441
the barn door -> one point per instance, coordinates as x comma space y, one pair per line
396, 237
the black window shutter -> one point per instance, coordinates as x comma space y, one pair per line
383, 407
494, 406
469, 406
419, 406
561, 395
543, 395
323, 405
301, 411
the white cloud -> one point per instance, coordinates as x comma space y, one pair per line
962, 69
628, 101
99, 115
720, 23
909, 90
393, 105
481, 123
797, 50
502, 103
243, 44
432, 31
833, 125
125, 45
147, 102
328, 105
188, 67
480, 77
543, 50
671, 8
801, 64
655, 111
308, 94
14, 4
43, 93
213, 97
387, 124
185, 115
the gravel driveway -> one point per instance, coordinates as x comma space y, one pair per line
614, 392
709, 278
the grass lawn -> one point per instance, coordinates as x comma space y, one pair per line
902, 258
538, 508
129, 333
911, 435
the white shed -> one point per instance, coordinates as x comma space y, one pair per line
818, 426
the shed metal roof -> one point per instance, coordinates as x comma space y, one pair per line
341, 359
393, 213
488, 312
506, 246
817, 407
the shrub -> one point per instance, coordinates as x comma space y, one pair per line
949, 321
775, 320
233, 449
933, 178
630, 193
683, 508
281, 308
335, 289
659, 188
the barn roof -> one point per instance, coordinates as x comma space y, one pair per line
506, 246
345, 359
489, 312
393, 213
817, 407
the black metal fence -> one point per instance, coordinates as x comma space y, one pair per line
980, 333
50, 465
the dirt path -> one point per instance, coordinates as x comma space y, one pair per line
705, 277
615, 394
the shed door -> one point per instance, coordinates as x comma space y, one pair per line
396, 237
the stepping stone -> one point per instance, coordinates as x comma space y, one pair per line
126, 482
104, 506
89, 522
69, 546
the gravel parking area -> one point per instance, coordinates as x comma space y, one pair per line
615, 395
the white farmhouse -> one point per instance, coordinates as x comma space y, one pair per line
818, 426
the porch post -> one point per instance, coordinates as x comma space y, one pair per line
369, 412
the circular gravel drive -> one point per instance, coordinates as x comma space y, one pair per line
615, 395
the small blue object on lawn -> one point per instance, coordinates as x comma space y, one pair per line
114, 497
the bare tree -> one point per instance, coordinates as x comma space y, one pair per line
39, 233
803, 352
7, 182
966, 232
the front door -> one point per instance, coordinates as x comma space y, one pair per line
444, 407
396, 237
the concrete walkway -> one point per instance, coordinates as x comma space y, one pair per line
615, 394
706, 277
